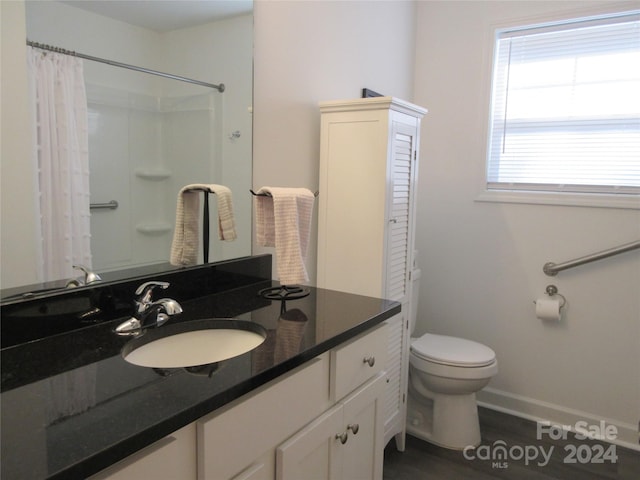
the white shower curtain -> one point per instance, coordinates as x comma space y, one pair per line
62, 154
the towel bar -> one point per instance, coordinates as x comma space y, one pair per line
268, 195
112, 205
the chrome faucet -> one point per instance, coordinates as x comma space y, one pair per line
89, 277
145, 309
163, 308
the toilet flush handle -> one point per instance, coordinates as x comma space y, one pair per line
370, 360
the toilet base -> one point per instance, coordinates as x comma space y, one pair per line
449, 421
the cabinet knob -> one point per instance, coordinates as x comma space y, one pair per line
370, 360
343, 437
354, 427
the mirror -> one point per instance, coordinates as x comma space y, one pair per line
149, 135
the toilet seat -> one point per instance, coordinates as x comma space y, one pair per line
452, 351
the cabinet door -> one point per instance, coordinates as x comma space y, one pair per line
398, 266
352, 200
399, 235
363, 413
344, 443
311, 454
260, 469
394, 397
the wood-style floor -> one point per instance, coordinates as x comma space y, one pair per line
424, 461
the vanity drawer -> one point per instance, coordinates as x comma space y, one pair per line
167, 459
357, 361
230, 440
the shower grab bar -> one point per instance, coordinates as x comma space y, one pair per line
111, 205
552, 269
113, 63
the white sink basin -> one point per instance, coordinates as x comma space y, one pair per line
193, 343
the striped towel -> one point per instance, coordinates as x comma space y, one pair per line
283, 220
186, 238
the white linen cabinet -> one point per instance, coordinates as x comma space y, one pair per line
366, 219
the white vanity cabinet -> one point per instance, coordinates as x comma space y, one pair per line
285, 429
366, 218
244, 440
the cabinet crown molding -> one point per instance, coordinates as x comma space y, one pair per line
372, 103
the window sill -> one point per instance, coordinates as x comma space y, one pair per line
563, 199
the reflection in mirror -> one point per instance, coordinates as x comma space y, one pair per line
149, 136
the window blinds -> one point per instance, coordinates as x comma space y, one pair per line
565, 112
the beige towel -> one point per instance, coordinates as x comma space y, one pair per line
283, 220
186, 239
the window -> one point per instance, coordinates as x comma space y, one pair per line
565, 107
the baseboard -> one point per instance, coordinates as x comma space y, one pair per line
539, 411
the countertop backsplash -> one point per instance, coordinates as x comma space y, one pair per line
25, 320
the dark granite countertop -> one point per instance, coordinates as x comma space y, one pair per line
71, 405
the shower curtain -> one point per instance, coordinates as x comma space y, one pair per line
59, 113
61, 153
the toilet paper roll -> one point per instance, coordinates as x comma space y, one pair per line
549, 309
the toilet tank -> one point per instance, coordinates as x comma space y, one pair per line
416, 273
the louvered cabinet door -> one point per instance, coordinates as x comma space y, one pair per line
400, 230
394, 400
398, 265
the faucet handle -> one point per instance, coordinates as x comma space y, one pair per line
145, 291
89, 276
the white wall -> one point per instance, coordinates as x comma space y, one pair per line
482, 262
306, 52
17, 174
72, 28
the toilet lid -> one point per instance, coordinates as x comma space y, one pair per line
452, 351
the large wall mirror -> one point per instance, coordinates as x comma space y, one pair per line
150, 135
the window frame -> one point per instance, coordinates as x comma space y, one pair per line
545, 194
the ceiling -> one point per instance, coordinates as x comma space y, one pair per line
165, 15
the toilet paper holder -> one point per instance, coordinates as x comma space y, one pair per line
552, 290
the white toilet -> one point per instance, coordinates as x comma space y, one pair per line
444, 375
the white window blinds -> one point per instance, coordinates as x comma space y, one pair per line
565, 113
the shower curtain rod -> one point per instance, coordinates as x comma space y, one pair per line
43, 46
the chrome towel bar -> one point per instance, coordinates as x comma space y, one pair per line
551, 269
111, 205
316, 193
